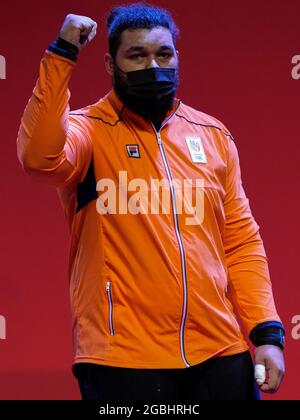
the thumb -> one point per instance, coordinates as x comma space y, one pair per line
260, 373
260, 366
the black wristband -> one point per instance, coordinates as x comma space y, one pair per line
268, 333
64, 48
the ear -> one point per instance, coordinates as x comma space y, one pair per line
109, 64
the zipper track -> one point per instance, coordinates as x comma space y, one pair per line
110, 317
179, 238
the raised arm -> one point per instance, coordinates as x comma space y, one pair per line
51, 145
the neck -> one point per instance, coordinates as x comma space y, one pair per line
157, 121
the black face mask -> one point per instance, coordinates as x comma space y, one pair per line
149, 92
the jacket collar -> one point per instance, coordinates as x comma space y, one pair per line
126, 114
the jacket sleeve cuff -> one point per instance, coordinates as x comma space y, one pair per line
271, 332
64, 48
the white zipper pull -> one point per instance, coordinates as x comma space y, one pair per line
107, 286
158, 138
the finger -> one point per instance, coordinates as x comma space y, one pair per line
273, 382
90, 24
85, 34
86, 30
92, 34
260, 374
268, 389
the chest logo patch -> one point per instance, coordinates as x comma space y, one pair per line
133, 150
196, 149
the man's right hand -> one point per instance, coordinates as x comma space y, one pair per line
78, 30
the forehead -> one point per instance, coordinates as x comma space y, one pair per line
145, 37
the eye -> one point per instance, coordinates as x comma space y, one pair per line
165, 55
136, 56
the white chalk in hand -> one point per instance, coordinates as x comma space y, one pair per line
260, 374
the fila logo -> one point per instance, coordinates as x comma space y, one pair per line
133, 150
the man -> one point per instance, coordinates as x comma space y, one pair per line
152, 292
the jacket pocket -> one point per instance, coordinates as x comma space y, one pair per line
110, 308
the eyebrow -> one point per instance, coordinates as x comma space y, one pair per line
141, 48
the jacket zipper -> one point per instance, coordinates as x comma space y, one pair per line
110, 302
179, 239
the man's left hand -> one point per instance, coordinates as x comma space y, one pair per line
272, 358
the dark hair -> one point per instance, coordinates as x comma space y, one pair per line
137, 16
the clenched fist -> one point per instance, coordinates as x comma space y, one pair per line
78, 30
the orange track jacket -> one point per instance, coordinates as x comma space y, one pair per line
147, 290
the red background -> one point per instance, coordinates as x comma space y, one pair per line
235, 63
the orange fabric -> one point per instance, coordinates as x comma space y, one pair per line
140, 255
